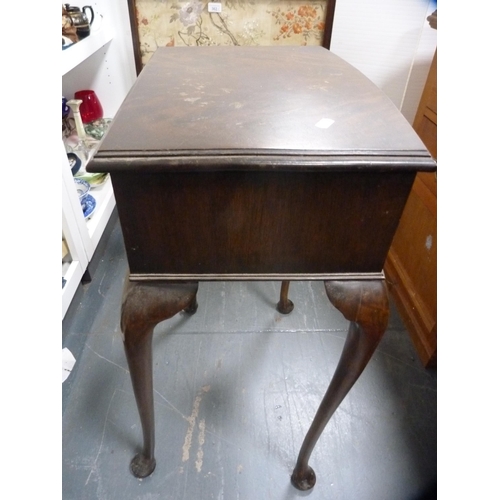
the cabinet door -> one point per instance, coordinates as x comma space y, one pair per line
411, 266
425, 123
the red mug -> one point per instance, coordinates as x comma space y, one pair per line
91, 108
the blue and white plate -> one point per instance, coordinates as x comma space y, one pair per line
82, 187
90, 204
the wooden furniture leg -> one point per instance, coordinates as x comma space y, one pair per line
144, 306
192, 307
284, 306
365, 304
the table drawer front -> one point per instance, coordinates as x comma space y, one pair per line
286, 223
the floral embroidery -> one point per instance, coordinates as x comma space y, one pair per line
306, 11
190, 12
167, 23
305, 21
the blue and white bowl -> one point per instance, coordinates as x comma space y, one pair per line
82, 188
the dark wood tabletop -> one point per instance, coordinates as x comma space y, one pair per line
219, 107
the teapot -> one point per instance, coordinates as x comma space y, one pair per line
80, 19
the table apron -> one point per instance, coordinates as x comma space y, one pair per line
258, 277
259, 225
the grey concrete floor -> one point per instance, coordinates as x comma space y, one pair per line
236, 388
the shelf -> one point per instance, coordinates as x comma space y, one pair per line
105, 203
72, 273
103, 62
78, 52
65, 249
76, 261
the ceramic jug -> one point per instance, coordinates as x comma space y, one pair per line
80, 19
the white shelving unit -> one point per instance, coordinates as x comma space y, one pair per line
77, 53
102, 62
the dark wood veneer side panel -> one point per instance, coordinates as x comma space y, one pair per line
259, 222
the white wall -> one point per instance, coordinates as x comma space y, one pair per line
391, 42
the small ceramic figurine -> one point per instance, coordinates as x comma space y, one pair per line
83, 145
74, 104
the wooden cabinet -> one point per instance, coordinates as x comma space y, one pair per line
425, 122
411, 266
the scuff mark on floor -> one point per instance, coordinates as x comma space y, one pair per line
106, 359
188, 440
201, 442
94, 469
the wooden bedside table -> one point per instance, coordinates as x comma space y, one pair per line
257, 163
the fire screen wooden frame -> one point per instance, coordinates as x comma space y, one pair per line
302, 11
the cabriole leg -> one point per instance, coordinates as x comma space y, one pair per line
285, 305
366, 305
144, 306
